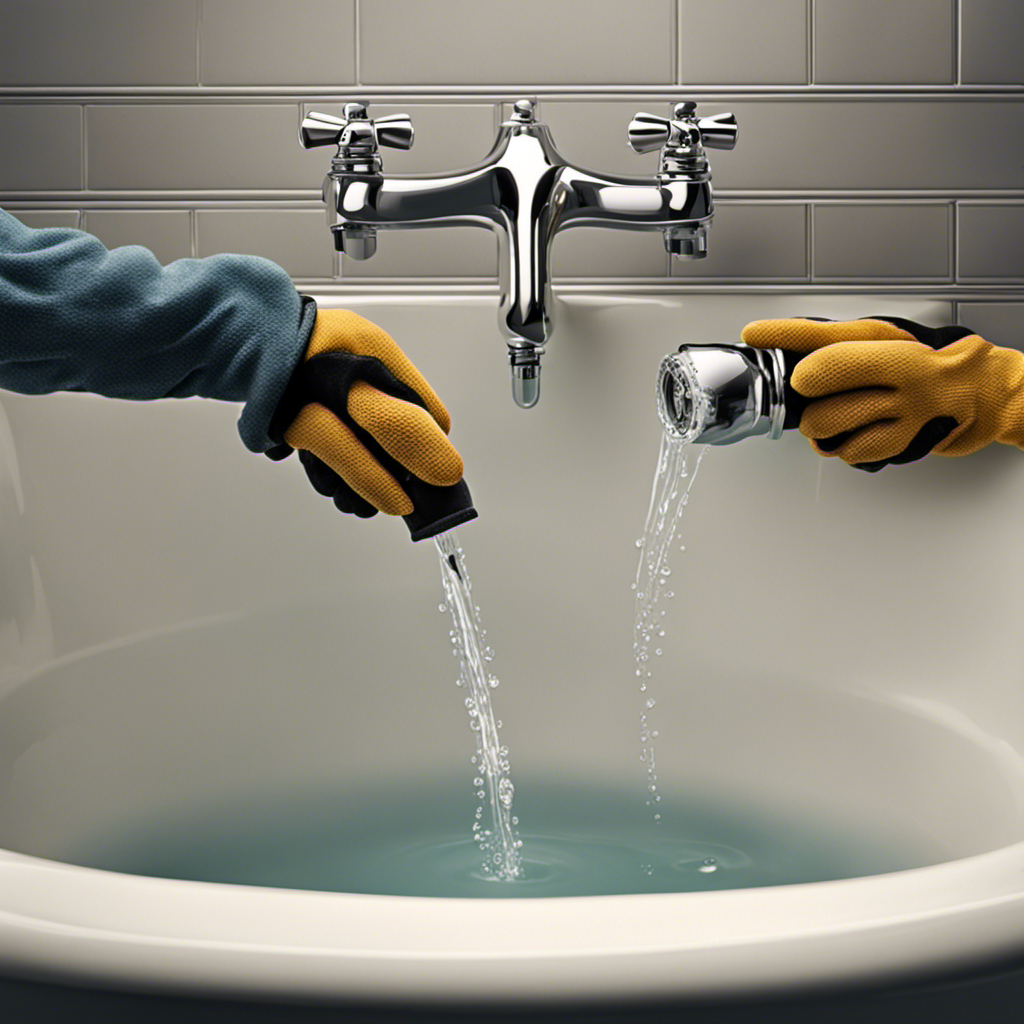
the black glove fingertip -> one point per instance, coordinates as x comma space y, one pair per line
925, 440
279, 452
321, 476
830, 444
348, 501
326, 482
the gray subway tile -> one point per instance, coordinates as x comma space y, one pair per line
873, 143
48, 218
98, 42
990, 241
448, 135
736, 42
277, 42
166, 233
749, 240
429, 252
40, 147
600, 252
882, 241
297, 240
884, 41
543, 42
992, 42
199, 146
1002, 323
592, 134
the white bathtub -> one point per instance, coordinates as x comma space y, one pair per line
184, 621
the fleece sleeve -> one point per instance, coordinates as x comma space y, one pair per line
75, 316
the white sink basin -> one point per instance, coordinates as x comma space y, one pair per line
184, 622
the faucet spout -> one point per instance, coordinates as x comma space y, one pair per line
524, 362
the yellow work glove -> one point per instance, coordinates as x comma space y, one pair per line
371, 431
887, 390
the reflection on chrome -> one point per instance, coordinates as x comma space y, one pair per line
526, 192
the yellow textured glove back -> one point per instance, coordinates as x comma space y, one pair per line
414, 435
800, 334
876, 387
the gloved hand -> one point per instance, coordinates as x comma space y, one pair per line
355, 403
887, 390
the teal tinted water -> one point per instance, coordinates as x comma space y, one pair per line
412, 841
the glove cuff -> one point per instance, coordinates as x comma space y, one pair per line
290, 402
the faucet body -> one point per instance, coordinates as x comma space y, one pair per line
526, 192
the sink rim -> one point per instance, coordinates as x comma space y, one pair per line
126, 931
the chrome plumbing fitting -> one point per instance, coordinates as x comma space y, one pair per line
720, 394
526, 192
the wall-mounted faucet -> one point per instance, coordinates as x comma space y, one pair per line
526, 192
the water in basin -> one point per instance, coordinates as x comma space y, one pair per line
578, 840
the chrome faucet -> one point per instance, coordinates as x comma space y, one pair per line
526, 192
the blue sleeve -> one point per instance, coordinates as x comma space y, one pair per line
75, 316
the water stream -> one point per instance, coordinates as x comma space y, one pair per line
669, 496
500, 843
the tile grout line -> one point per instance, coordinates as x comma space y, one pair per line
468, 93
198, 27
809, 228
83, 174
954, 241
311, 199
678, 43
974, 292
357, 44
958, 10
810, 42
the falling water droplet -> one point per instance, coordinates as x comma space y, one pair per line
669, 496
708, 865
506, 791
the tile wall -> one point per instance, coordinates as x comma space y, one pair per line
881, 142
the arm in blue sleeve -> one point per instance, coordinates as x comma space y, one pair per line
75, 316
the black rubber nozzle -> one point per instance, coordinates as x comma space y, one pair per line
437, 508
795, 402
